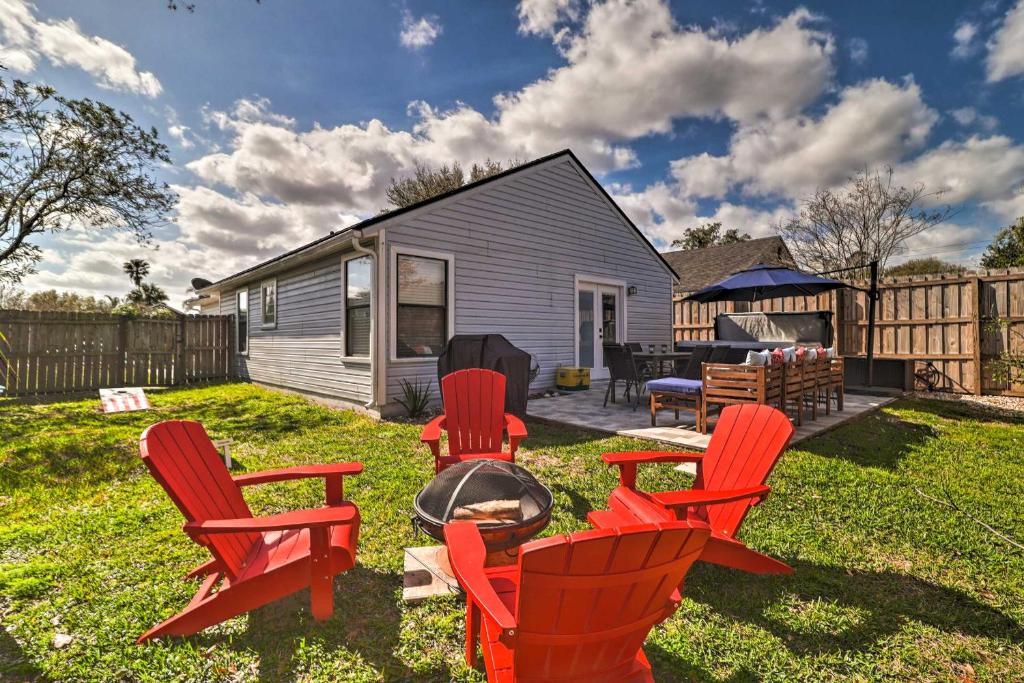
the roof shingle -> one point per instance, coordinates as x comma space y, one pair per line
699, 268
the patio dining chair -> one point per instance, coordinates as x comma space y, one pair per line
622, 368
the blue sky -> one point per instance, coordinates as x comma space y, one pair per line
287, 119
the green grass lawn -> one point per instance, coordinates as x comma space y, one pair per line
888, 585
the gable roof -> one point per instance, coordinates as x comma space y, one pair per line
699, 268
343, 235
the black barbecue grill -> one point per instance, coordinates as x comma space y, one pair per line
485, 481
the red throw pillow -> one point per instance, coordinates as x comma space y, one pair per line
821, 352
778, 357
801, 353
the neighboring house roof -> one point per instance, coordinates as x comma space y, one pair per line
699, 268
346, 233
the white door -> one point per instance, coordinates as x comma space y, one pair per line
599, 314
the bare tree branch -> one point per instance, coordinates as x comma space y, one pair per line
870, 218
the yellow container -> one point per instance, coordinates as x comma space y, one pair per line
572, 379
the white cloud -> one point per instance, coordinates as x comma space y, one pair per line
858, 50
1006, 49
874, 122
664, 213
989, 170
26, 38
632, 71
971, 117
248, 226
541, 17
419, 33
963, 40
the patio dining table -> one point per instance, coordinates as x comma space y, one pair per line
657, 359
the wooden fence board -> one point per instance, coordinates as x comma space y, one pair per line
945, 319
48, 353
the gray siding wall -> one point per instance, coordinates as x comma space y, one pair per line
517, 247
303, 352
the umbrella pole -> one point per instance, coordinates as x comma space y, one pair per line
872, 298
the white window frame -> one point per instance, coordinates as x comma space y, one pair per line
397, 251
264, 325
248, 314
344, 297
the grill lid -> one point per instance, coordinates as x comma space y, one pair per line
482, 481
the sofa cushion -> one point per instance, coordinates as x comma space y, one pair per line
675, 385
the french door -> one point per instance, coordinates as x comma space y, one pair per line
600, 322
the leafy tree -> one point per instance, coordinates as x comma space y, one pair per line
1007, 249
427, 182
708, 235
869, 218
67, 162
928, 265
52, 300
147, 294
136, 269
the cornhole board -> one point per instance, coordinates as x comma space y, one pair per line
123, 399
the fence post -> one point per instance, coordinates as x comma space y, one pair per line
977, 336
120, 367
179, 351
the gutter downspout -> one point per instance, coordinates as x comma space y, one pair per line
358, 234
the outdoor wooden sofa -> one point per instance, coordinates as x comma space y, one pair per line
797, 385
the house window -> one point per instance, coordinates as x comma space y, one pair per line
358, 272
242, 321
268, 299
421, 318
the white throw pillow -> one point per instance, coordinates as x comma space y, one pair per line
789, 353
830, 352
755, 358
812, 354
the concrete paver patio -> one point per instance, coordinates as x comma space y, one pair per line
584, 409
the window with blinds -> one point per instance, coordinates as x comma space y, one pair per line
358, 272
421, 319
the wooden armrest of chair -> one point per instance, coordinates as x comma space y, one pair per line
431, 434
628, 460
346, 513
516, 432
298, 472
467, 553
640, 457
691, 497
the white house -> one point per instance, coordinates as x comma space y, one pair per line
539, 253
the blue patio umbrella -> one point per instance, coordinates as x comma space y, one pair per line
765, 281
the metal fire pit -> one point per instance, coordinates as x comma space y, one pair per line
483, 481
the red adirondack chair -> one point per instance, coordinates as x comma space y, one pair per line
576, 607
744, 447
256, 560
475, 419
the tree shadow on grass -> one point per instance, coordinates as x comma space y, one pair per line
15, 666
875, 439
669, 667
366, 621
828, 609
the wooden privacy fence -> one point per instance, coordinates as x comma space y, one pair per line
961, 324
55, 352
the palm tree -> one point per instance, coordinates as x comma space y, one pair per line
147, 294
136, 269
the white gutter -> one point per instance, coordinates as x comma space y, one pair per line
373, 317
